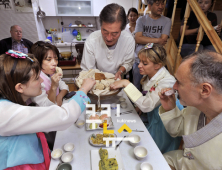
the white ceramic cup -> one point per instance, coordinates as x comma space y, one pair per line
67, 157
146, 166
135, 141
56, 153
69, 147
140, 152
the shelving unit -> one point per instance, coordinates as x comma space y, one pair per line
74, 7
77, 27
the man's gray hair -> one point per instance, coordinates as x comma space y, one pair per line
206, 68
113, 13
151, 2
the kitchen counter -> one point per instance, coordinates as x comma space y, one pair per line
76, 67
68, 44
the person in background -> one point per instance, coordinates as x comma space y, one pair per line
23, 146
15, 42
150, 28
132, 16
152, 61
47, 56
130, 27
192, 27
110, 49
199, 85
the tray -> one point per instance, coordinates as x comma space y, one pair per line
99, 145
112, 153
109, 121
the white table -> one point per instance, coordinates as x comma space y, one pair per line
80, 138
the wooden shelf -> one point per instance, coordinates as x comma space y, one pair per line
77, 27
76, 67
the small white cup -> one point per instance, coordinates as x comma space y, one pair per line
80, 123
146, 166
67, 157
136, 140
69, 147
122, 99
123, 105
140, 152
56, 153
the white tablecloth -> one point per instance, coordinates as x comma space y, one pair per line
80, 138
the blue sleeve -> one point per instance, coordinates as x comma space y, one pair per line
180, 106
82, 99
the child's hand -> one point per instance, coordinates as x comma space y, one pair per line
168, 102
87, 85
55, 80
119, 84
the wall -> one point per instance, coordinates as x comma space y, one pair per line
24, 20
52, 22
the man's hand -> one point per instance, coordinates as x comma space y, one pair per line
162, 41
138, 111
218, 30
118, 75
168, 102
119, 84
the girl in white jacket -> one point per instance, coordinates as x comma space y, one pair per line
152, 61
20, 80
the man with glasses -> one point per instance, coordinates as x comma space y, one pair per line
15, 42
110, 49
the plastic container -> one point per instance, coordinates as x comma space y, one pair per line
67, 36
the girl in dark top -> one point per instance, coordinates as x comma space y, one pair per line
191, 31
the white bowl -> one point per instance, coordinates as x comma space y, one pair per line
67, 157
80, 123
140, 152
136, 139
69, 147
123, 105
146, 166
122, 99
56, 153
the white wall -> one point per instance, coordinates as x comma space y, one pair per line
52, 22
24, 20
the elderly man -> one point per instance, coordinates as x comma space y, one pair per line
199, 85
110, 49
150, 28
15, 42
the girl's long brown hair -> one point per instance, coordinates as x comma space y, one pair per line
21, 74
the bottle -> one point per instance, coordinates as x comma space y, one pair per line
55, 36
78, 37
49, 36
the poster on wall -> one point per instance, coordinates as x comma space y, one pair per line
23, 5
5, 5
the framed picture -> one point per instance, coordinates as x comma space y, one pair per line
5, 5
23, 5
